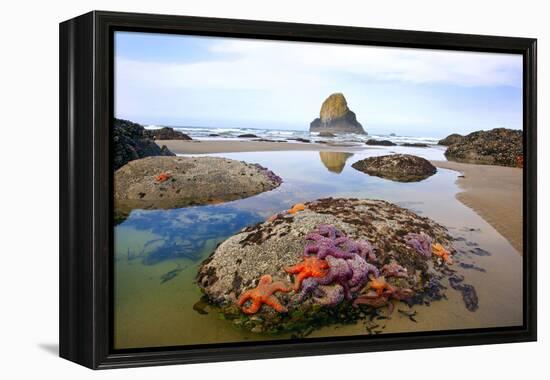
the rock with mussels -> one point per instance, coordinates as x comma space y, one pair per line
499, 146
166, 133
331, 262
453, 138
397, 167
171, 182
131, 141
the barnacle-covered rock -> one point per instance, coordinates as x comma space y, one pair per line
357, 239
170, 182
499, 146
397, 167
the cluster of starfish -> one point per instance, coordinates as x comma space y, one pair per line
331, 258
424, 245
343, 262
163, 177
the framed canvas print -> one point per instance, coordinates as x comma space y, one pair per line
237, 189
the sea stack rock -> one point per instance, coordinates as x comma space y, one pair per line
336, 117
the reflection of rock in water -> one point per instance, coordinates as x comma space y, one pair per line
334, 161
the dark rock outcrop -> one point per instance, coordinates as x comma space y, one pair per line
397, 167
301, 139
380, 142
415, 145
451, 139
499, 146
247, 135
166, 133
336, 117
130, 142
326, 134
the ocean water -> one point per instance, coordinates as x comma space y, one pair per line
158, 252
204, 133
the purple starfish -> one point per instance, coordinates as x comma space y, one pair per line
328, 296
360, 272
324, 246
339, 273
329, 231
421, 242
361, 247
394, 270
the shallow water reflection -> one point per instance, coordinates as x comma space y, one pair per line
334, 161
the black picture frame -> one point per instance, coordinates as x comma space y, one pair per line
86, 226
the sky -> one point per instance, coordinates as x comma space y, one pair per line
179, 80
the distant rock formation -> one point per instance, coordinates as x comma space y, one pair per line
397, 167
380, 142
130, 142
336, 117
247, 135
499, 146
415, 145
166, 133
334, 161
451, 139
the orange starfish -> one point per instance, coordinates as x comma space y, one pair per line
440, 251
379, 284
297, 207
163, 177
263, 294
309, 267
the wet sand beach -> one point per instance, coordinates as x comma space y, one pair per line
495, 193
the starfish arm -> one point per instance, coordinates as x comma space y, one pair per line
244, 297
280, 287
274, 303
295, 268
391, 306
347, 291
342, 240
299, 278
327, 280
256, 304
310, 249
314, 237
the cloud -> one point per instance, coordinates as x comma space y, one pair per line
261, 65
